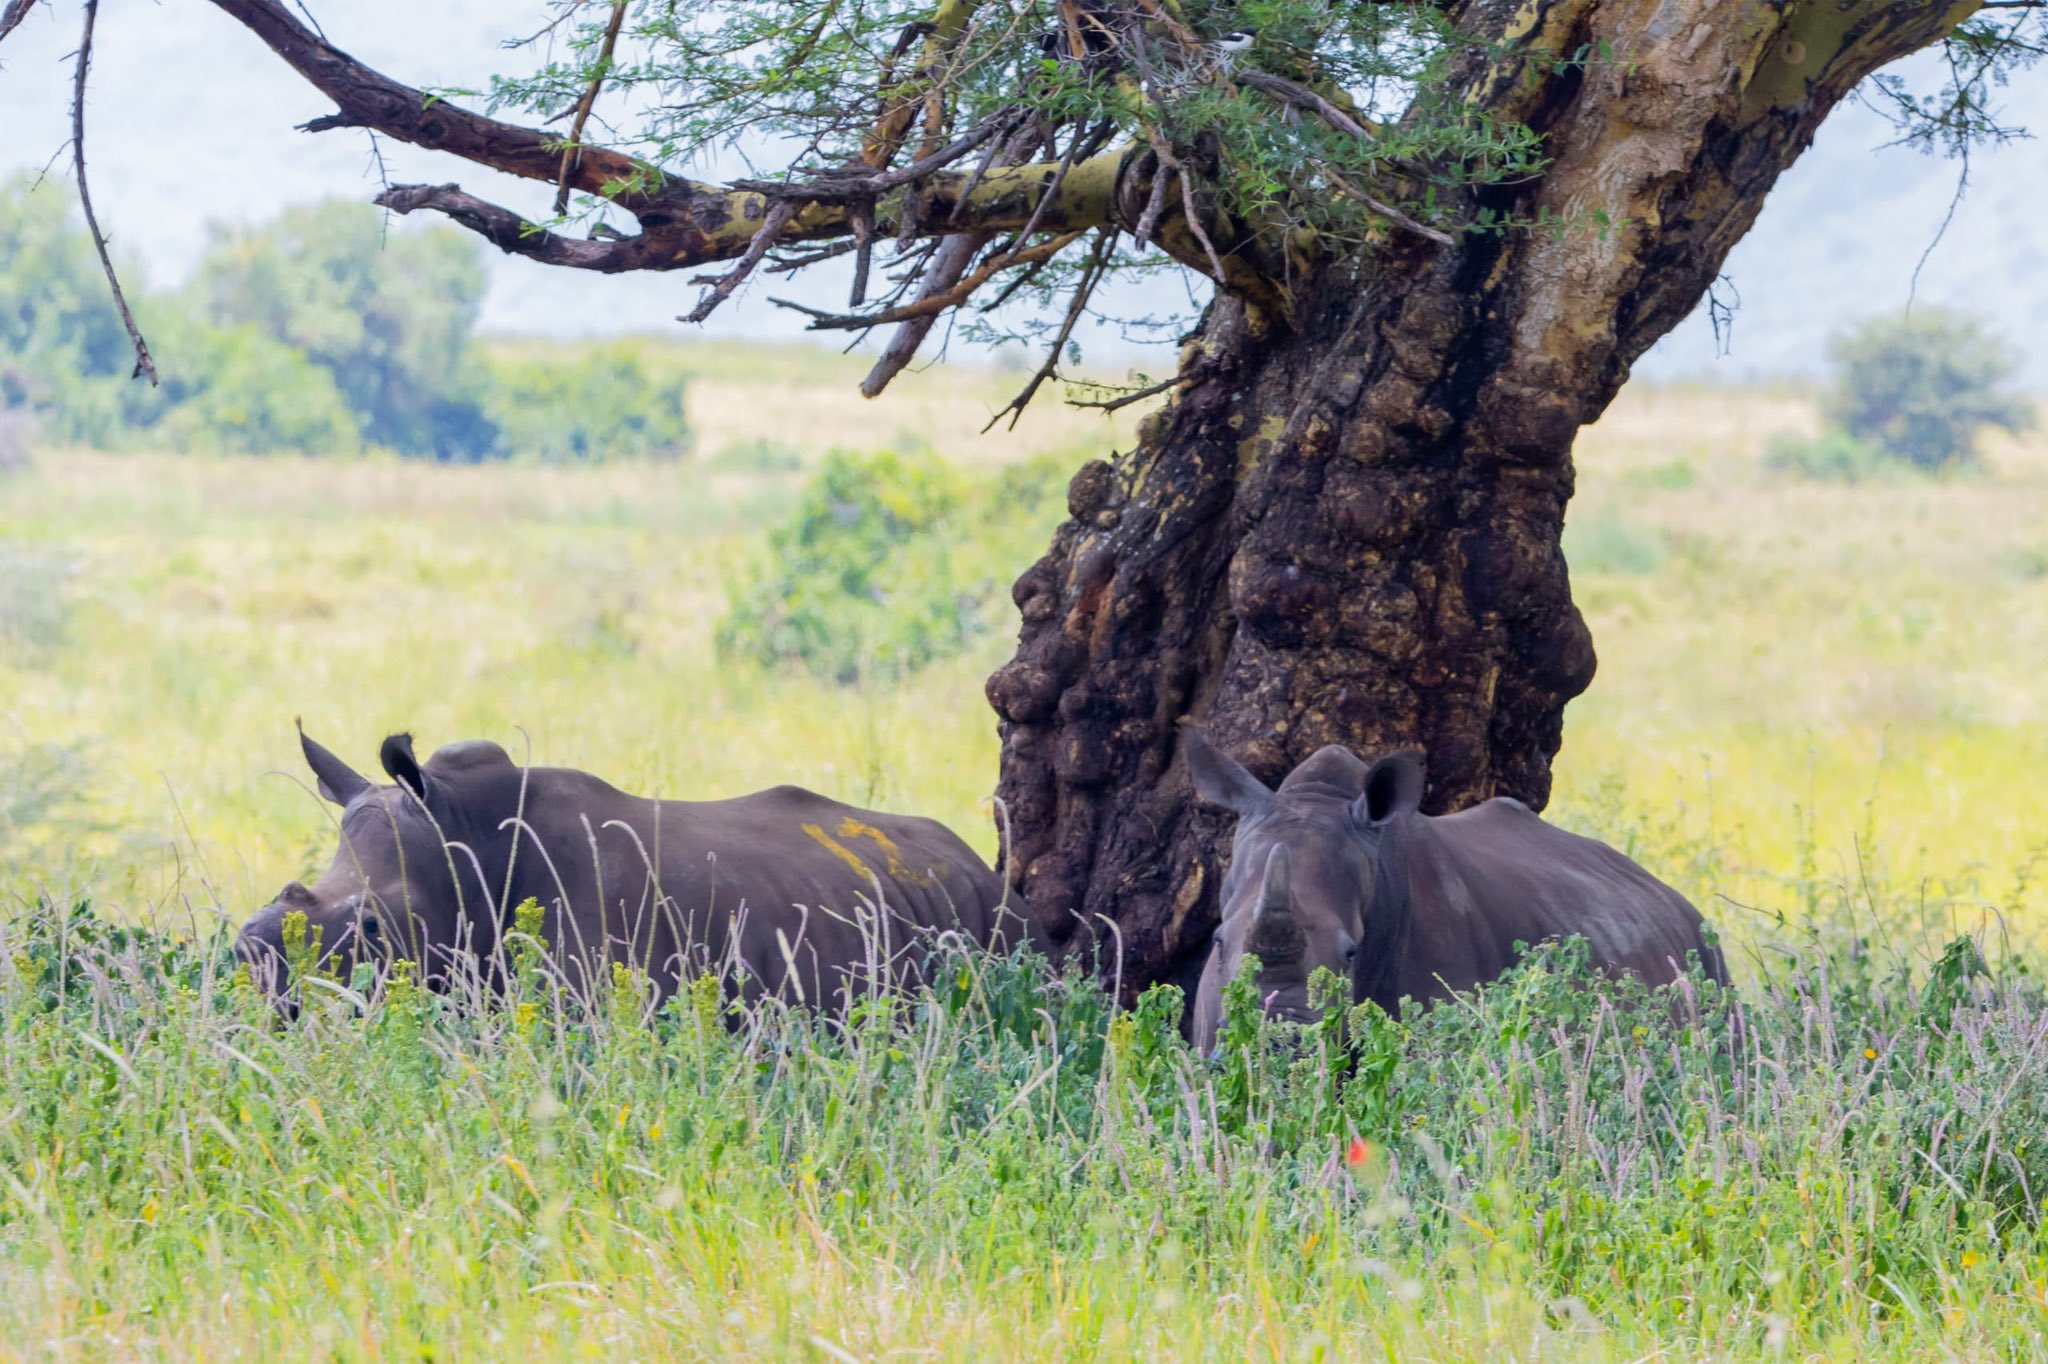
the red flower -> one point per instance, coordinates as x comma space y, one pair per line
1356, 1152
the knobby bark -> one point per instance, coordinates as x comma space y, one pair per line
1347, 530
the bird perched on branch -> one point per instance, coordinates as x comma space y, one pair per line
1231, 46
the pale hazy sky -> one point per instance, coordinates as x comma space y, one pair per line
191, 121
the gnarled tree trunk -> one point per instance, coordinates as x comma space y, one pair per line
1346, 530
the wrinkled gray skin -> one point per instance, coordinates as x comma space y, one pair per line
1339, 868
763, 886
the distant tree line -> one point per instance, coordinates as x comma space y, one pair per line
325, 331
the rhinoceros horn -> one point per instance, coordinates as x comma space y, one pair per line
1276, 931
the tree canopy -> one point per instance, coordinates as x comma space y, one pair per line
991, 148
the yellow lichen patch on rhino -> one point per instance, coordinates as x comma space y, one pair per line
898, 868
838, 849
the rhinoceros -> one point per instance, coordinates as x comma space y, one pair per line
1339, 868
784, 891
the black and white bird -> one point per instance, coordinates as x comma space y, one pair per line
1231, 46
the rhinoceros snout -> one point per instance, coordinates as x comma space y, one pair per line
260, 945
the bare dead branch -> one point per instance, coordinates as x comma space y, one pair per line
546, 30
771, 228
1194, 221
145, 368
514, 235
1154, 203
1385, 210
366, 98
1295, 93
1138, 395
573, 151
789, 264
933, 304
948, 264
11, 17
1091, 275
863, 221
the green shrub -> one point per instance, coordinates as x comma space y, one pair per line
319, 332
388, 313
861, 576
1831, 457
1921, 387
584, 401
891, 561
63, 352
238, 390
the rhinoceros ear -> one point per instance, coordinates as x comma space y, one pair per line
1221, 779
396, 755
1393, 787
337, 781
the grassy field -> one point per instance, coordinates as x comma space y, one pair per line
1819, 709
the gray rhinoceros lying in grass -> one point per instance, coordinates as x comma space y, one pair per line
1340, 869
783, 891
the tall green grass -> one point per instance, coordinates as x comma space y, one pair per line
1844, 1160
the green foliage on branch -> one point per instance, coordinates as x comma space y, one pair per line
822, 76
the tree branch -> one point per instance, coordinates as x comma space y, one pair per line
366, 98
764, 237
573, 151
144, 366
1385, 210
514, 235
945, 270
940, 34
932, 304
685, 223
1091, 275
16, 11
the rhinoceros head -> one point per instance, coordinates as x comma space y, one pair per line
1304, 866
395, 887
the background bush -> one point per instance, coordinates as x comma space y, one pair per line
1831, 457
325, 331
1917, 389
388, 314
890, 562
593, 400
